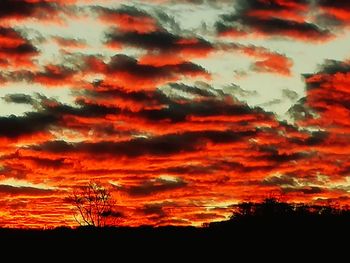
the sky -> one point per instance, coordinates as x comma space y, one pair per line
180, 108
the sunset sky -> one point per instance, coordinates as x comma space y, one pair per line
182, 108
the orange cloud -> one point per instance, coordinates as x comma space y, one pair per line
127, 22
15, 51
271, 62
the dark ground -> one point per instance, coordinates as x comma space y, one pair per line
264, 228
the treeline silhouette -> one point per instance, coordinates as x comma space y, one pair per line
272, 211
250, 222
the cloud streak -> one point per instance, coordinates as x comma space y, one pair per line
272, 18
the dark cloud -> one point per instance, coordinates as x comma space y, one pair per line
238, 91
123, 10
290, 94
280, 26
15, 50
82, 109
314, 138
213, 3
31, 123
336, 200
52, 114
20, 9
199, 90
124, 64
336, 4
328, 20
154, 209
335, 13
241, 168
275, 155
179, 112
208, 216
247, 5
168, 21
10, 34
23, 190
283, 180
22, 49
14, 170
41, 161
290, 184
274, 27
143, 97
190, 169
272, 18
300, 110
140, 30
49, 163
330, 66
55, 146
55, 75
17, 76
159, 145
19, 98
158, 41
308, 190
155, 186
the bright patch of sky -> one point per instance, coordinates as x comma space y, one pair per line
227, 67
23, 183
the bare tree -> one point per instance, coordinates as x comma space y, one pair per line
94, 205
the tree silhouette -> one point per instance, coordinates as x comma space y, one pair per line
269, 208
272, 209
94, 206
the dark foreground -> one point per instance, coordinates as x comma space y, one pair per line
251, 239
266, 225
249, 230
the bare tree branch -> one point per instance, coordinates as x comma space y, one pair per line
94, 206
